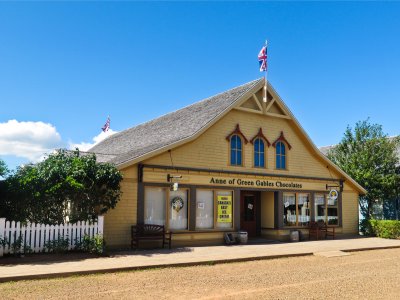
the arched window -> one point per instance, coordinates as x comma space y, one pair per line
259, 153
236, 150
280, 155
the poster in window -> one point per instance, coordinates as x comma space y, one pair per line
224, 209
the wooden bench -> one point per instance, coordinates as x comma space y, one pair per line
320, 229
146, 232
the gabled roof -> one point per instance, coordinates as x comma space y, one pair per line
177, 128
165, 131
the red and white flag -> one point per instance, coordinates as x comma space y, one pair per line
107, 125
262, 58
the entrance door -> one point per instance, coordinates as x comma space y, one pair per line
248, 212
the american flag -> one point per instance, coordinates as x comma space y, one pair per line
262, 59
107, 125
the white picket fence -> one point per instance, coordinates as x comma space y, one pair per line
34, 236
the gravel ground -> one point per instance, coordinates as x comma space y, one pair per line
361, 275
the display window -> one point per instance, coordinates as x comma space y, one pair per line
296, 209
326, 209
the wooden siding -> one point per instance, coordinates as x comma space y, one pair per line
350, 215
267, 210
211, 149
118, 221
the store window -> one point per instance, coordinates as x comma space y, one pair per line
204, 209
319, 207
178, 209
224, 209
280, 149
154, 205
303, 205
332, 211
326, 209
259, 153
289, 209
236, 150
296, 209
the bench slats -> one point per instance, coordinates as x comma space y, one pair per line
149, 232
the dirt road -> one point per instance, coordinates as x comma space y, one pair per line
362, 275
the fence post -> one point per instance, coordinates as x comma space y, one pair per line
2, 234
100, 225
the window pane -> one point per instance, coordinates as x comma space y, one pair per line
319, 206
304, 209
239, 158
236, 150
283, 151
154, 205
333, 216
278, 161
238, 142
233, 142
204, 209
224, 209
262, 162
283, 162
289, 209
278, 148
178, 209
256, 159
233, 157
261, 145
332, 211
332, 201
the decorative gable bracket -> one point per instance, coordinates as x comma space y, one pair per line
238, 132
261, 136
282, 138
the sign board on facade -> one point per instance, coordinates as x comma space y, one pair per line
245, 181
224, 204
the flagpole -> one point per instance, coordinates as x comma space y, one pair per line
266, 73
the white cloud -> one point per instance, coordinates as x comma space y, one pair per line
30, 140
97, 139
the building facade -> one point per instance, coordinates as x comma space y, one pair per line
240, 164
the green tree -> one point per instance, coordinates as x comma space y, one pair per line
65, 184
3, 168
369, 156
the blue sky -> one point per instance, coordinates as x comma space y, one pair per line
65, 66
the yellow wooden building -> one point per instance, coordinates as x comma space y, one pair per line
240, 164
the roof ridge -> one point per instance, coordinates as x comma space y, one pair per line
166, 114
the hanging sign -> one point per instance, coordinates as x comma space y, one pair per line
224, 204
333, 194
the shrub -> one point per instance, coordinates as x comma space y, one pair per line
387, 229
57, 246
17, 247
91, 244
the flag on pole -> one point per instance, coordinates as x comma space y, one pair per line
107, 125
262, 59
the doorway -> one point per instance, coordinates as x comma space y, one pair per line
249, 211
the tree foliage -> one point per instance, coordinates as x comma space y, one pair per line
369, 156
65, 184
3, 168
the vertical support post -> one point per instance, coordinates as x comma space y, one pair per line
236, 209
100, 225
192, 208
2, 234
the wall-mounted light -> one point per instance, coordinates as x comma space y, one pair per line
174, 185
